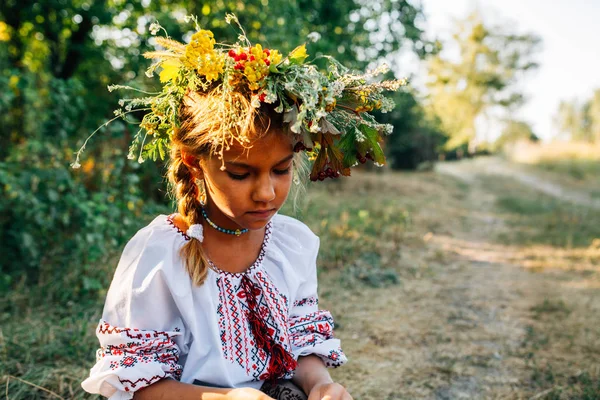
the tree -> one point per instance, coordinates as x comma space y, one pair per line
416, 138
579, 121
515, 131
491, 62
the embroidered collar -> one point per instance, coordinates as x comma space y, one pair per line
257, 263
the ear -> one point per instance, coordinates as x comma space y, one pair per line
193, 163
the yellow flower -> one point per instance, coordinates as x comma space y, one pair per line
170, 69
298, 55
202, 43
201, 56
4, 32
275, 57
211, 65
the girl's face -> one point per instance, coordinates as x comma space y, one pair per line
254, 184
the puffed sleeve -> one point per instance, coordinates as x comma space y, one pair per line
311, 329
141, 332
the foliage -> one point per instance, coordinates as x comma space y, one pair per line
579, 121
485, 76
515, 131
417, 137
326, 111
56, 60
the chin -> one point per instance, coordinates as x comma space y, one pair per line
255, 222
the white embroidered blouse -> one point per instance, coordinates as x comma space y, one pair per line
157, 324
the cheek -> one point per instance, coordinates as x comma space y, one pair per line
284, 183
227, 193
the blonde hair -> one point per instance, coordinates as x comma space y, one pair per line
200, 133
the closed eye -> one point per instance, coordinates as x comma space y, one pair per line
237, 177
282, 171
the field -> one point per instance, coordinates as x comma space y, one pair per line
477, 280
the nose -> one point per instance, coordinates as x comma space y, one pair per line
264, 191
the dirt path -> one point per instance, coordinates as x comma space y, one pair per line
461, 326
468, 170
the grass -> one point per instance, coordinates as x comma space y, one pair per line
537, 218
411, 317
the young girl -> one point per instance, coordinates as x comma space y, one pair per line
219, 300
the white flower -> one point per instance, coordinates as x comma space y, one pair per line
289, 86
270, 97
76, 165
387, 105
360, 137
321, 113
154, 28
255, 102
314, 127
336, 88
230, 17
314, 36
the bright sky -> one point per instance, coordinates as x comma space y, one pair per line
570, 57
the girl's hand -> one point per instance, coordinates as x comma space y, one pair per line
329, 391
247, 394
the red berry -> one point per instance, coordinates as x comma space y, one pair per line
313, 178
322, 176
329, 172
267, 51
252, 58
232, 53
262, 97
238, 66
267, 62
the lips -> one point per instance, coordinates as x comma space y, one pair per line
262, 213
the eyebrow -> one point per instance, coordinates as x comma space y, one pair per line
243, 165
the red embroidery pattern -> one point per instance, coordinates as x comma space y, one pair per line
233, 327
237, 340
313, 329
335, 358
170, 219
307, 301
143, 347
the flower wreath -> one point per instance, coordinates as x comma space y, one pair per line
326, 111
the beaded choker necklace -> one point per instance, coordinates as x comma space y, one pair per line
236, 232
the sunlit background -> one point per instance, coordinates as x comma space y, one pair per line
569, 57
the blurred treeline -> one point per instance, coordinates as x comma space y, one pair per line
58, 56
